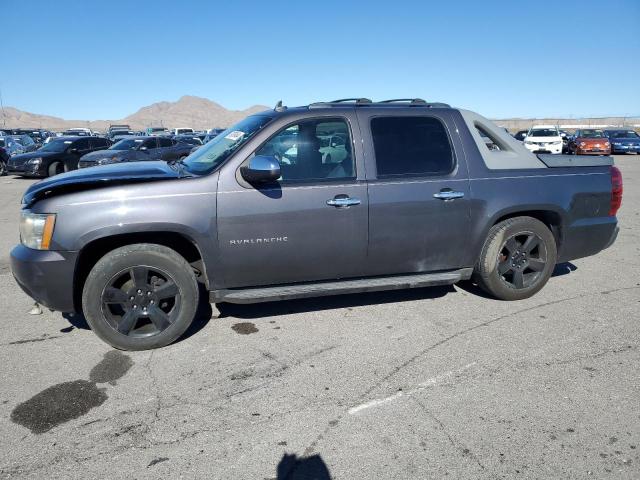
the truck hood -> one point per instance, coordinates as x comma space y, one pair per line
102, 176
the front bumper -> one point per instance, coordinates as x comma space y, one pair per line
555, 149
625, 148
46, 276
25, 170
593, 151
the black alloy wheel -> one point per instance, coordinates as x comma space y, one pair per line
141, 301
522, 260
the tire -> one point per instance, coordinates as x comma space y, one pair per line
3, 168
55, 168
162, 285
517, 259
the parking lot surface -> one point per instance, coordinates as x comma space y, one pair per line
407, 384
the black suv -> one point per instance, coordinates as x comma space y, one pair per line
59, 155
138, 149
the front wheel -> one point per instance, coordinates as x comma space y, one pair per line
517, 259
140, 297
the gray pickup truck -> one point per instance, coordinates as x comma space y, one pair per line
330, 198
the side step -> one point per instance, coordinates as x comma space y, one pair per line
340, 287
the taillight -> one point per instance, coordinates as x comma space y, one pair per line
616, 191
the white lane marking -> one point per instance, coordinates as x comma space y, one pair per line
421, 386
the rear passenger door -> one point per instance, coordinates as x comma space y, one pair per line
418, 192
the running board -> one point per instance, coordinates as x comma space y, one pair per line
340, 287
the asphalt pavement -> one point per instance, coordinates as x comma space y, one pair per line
429, 383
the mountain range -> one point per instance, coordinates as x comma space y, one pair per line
189, 111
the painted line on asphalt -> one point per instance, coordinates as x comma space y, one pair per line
421, 386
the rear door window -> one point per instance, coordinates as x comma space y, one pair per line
165, 142
411, 146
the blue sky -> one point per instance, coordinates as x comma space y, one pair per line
105, 59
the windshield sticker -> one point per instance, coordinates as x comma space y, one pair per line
235, 135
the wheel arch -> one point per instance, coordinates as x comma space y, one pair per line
551, 216
95, 249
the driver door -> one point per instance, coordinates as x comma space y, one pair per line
295, 230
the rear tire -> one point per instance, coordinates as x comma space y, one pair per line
140, 297
517, 259
55, 168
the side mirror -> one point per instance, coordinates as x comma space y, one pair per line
261, 169
143, 149
73, 150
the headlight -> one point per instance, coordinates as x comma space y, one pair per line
106, 161
583, 144
35, 161
617, 144
36, 230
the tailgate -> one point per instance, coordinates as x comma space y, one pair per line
556, 161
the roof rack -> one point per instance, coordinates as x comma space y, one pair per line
365, 102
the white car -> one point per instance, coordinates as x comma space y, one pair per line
544, 139
182, 131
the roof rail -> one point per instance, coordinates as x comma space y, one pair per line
412, 101
355, 101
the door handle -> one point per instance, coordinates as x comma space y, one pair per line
340, 201
448, 195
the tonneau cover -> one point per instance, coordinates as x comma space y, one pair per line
555, 161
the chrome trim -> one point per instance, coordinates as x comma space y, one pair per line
448, 195
343, 202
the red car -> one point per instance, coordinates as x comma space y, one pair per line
589, 142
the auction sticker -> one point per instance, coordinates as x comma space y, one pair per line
235, 135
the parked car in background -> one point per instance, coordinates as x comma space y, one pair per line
181, 131
520, 135
623, 141
190, 139
157, 131
138, 149
544, 139
121, 135
11, 146
38, 135
589, 141
212, 133
77, 132
59, 155
4, 159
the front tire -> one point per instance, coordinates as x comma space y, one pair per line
55, 168
140, 297
517, 259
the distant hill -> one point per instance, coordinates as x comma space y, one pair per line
188, 111
201, 113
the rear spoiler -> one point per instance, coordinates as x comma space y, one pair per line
555, 161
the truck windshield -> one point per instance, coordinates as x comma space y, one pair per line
544, 132
210, 156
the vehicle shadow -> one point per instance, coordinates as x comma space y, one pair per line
563, 269
293, 468
204, 313
316, 304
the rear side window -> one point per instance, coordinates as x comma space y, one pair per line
411, 146
165, 142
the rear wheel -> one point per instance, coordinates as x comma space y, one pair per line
517, 258
55, 168
140, 297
